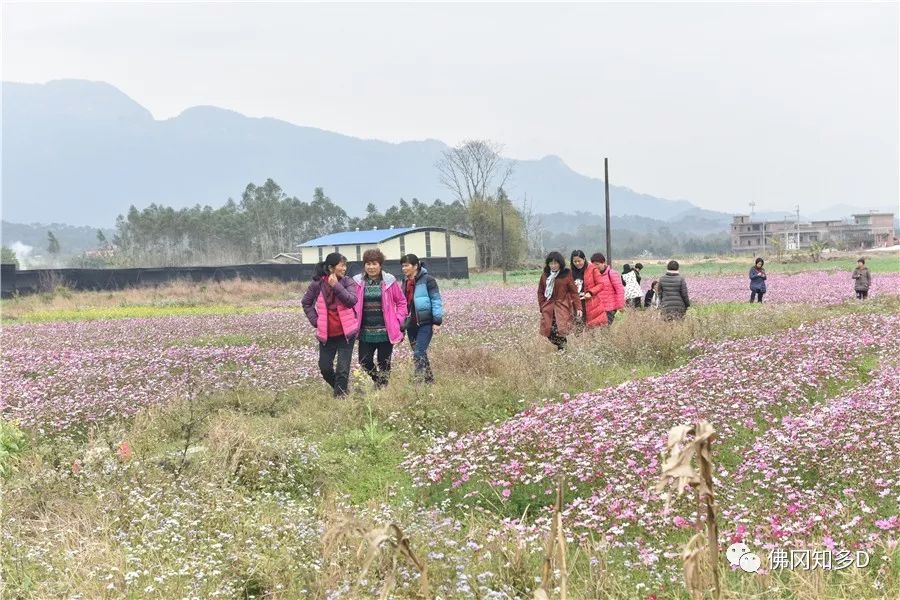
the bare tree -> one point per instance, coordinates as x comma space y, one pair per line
473, 167
534, 227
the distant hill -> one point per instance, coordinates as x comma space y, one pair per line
81, 152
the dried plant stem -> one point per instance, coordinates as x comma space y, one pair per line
686, 444
556, 542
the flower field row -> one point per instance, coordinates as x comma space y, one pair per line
830, 473
63, 373
607, 443
57, 375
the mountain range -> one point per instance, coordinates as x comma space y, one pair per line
81, 152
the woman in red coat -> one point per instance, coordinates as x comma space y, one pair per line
595, 288
612, 295
590, 287
558, 300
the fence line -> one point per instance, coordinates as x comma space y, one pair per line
14, 281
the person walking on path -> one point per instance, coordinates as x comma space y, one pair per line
673, 293
862, 279
330, 305
558, 300
426, 313
757, 281
381, 318
633, 292
612, 294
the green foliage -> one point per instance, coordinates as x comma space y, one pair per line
12, 445
815, 250
8, 256
405, 214
486, 220
265, 222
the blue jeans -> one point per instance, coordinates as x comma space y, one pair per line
420, 338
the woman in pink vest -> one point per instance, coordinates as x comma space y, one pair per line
330, 305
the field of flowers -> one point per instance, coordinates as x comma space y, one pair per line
133, 463
66, 373
607, 444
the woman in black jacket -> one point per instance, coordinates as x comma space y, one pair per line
673, 293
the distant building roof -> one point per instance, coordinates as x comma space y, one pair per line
368, 236
284, 258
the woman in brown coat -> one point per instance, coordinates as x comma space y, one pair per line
558, 300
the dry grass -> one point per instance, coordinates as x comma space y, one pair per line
686, 445
556, 552
388, 542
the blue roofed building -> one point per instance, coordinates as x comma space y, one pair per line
424, 242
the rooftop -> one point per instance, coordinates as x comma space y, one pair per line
367, 236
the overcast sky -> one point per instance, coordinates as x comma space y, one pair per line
717, 104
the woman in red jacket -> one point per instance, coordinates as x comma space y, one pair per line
612, 294
590, 287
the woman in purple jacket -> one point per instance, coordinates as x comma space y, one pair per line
383, 310
330, 305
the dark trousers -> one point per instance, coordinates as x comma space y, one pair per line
419, 339
557, 340
862, 294
367, 351
756, 294
610, 315
636, 302
337, 377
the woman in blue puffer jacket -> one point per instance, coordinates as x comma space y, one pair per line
757, 280
426, 312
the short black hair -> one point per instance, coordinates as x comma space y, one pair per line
673, 265
638, 266
410, 259
862, 260
759, 261
550, 258
598, 257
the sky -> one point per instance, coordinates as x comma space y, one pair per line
719, 104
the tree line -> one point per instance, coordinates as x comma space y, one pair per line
267, 221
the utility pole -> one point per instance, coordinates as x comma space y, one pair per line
502, 242
752, 207
797, 226
608, 233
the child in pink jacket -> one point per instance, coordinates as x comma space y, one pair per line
383, 311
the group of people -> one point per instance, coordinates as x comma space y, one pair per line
375, 308
587, 294
379, 311
862, 280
